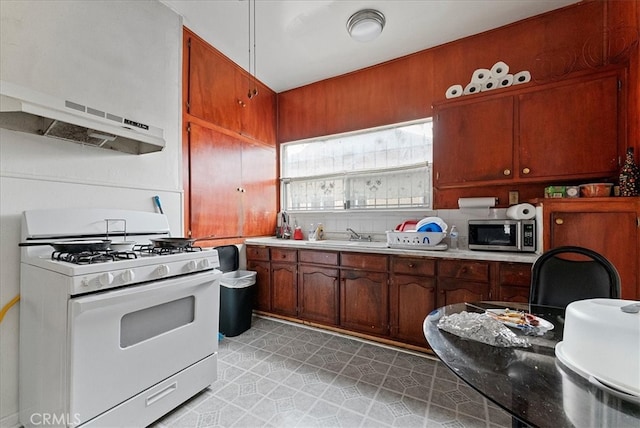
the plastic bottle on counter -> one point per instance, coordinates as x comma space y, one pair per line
453, 238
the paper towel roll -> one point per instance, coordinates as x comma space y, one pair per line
454, 91
506, 81
499, 69
491, 84
472, 88
522, 77
480, 75
486, 202
521, 212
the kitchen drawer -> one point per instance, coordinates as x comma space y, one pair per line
318, 257
257, 253
515, 274
461, 269
284, 255
413, 266
370, 262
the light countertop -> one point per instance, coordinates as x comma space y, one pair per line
381, 248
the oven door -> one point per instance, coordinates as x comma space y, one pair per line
124, 341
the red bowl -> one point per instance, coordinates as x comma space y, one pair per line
595, 190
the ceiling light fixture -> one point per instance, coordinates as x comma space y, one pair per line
365, 25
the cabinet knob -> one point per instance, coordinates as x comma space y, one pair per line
507, 172
559, 221
526, 170
411, 265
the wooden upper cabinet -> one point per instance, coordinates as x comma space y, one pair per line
473, 142
259, 113
570, 130
212, 86
218, 93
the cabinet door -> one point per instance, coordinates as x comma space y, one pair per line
514, 282
411, 299
212, 92
318, 294
262, 297
214, 176
258, 189
612, 234
364, 301
259, 112
473, 142
284, 288
570, 130
452, 290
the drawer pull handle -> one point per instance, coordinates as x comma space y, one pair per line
161, 394
559, 221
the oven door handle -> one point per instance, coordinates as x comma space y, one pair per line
171, 287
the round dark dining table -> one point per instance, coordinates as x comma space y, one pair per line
528, 382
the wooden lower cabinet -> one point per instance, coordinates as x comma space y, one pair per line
364, 301
262, 295
284, 281
376, 294
318, 294
412, 296
514, 282
318, 287
610, 226
451, 290
258, 261
462, 281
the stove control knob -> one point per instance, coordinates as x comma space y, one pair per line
127, 276
192, 265
84, 282
105, 278
163, 270
204, 263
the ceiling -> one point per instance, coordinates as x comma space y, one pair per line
299, 42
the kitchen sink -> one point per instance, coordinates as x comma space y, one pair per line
347, 244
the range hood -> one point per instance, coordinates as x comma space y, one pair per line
25, 110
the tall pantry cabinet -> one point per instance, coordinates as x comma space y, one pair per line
229, 146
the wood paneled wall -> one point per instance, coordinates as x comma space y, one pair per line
549, 45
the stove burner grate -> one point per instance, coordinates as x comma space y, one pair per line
91, 257
150, 249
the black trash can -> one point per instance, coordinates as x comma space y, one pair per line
236, 293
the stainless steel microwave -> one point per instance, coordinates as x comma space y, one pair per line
503, 235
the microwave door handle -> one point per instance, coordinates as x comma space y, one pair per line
519, 237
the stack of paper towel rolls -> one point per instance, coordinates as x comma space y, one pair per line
484, 79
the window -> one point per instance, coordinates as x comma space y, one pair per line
374, 169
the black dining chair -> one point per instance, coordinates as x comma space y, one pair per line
558, 281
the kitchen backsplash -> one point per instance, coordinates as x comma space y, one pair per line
376, 224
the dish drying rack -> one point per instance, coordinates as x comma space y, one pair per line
416, 240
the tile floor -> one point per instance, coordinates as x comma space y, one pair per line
281, 375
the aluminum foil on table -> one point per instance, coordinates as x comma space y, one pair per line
481, 328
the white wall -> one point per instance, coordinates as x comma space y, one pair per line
122, 57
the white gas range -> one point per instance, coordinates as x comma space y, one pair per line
112, 338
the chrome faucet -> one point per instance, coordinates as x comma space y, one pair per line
355, 236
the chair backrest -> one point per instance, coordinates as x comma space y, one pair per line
557, 281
